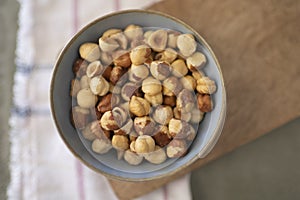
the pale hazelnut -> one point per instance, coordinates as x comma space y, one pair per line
163, 114
79, 67
179, 68
191, 136
115, 89
85, 98
94, 68
89, 131
128, 90
126, 128
121, 58
106, 58
139, 106
95, 129
116, 73
99, 86
121, 39
154, 100
120, 115
144, 125
144, 144
196, 61
186, 44
186, 100
132, 137
162, 136
160, 69
75, 87
108, 44
188, 82
206, 86
158, 40
151, 86
168, 55
197, 116
101, 146
185, 116
158, 156
134, 32
205, 103
138, 73
132, 158
89, 51
179, 129
147, 34
108, 33
176, 148
108, 122
169, 100
85, 82
140, 54
171, 86
198, 74
80, 116
120, 142
132, 144
172, 40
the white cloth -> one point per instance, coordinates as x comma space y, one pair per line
41, 165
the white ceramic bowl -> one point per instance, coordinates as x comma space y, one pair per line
208, 132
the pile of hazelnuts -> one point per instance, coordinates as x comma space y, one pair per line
141, 92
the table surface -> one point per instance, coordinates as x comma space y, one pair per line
257, 45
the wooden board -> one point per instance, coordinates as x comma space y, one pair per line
258, 46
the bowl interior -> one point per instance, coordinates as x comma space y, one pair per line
209, 128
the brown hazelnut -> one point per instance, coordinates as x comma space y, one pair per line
144, 144
160, 69
140, 54
205, 103
185, 100
80, 117
162, 136
120, 142
116, 73
105, 103
138, 73
169, 100
108, 122
176, 148
171, 86
122, 59
151, 86
144, 125
158, 40
107, 72
206, 86
139, 106
163, 114
179, 68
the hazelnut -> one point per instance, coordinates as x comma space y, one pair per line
108, 44
158, 40
171, 86
206, 86
101, 146
132, 137
198, 74
186, 44
154, 100
185, 116
120, 142
107, 72
121, 39
158, 156
126, 128
132, 144
169, 100
89, 51
138, 73
196, 116
108, 122
133, 32
179, 129
96, 129
176, 148
119, 115
94, 68
160, 69
75, 87
132, 158
80, 117
172, 39
205, 103
106, 58
196, 61
168, 55
116, 73
85, 82
144, 144
105, 103
191, 136
144, 125
115, 89
128, 90
185, 100
79, 67
163, 114
147, 34
162, 136
122, 58
188, 82
139, 106
179, 68
89, 131
140, 54
108, 33
85, 98
151, 86
99, 86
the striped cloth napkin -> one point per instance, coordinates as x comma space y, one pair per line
41, 165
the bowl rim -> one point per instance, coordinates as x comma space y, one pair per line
211, 141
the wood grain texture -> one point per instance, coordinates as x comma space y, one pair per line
258, 47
